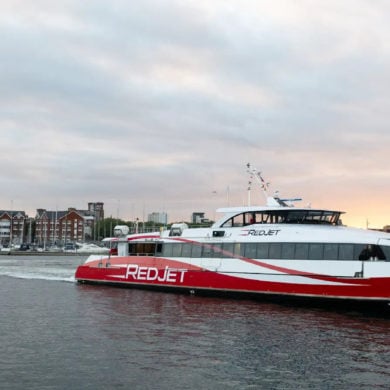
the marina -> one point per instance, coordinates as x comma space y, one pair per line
81, 249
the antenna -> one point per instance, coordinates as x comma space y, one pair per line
275, 200
254, 174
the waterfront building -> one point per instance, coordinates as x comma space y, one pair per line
158, 217
97, 210
12, 227
197, 217
59, 227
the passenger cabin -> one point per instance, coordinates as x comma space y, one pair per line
278, 216
262, 250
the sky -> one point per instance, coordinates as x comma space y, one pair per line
158, 105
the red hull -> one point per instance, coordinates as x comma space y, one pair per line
150, 272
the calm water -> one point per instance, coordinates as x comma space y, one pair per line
56, 334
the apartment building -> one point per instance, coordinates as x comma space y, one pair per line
158, 217
59, 227
12, 227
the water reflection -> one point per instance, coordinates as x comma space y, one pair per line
66, 335
230, 339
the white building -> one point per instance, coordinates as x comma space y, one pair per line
158, 218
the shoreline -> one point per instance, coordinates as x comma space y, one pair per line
46, 253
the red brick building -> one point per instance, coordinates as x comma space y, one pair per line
55, 227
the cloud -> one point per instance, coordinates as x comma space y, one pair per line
162, 103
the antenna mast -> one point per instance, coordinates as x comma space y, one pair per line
256, 175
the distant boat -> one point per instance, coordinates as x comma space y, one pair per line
5, 249
276, 250
86, 248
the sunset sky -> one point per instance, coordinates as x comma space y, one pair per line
159, 105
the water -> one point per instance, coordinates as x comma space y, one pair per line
56, 334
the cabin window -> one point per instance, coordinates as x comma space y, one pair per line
186, 250
236, 221
132, 249
196, 250
167, 250
159, 249
328, 217
298, 251
314, 216
176, 250
288, 250
150, 248
262, 218
361, 252
228, 248
386, 252
275, 250
228, 223
249, 218
371, 252
284, 216
331, 251
237, 249
295, 216
316, 251
250, 250
301, 251
346, 251
262, 251
378, 253
217, 250
274, 218
142, 248
207, 250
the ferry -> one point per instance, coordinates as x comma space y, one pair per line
276, 250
